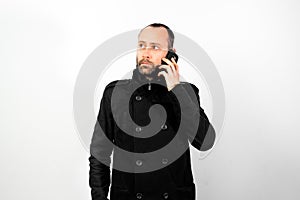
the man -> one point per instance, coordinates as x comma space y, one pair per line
168, 174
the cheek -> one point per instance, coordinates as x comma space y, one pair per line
155, 57
158, 57
138, 55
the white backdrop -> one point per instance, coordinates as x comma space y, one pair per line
253, 43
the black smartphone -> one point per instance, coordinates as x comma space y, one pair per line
170, 55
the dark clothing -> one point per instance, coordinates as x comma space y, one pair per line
171, 180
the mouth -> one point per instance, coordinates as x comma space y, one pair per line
145, 62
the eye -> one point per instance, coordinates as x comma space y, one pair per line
155, 47
141, 46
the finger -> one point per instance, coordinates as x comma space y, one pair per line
167, 68
174, 63
167, 61
162, 73
173, 68
173, 60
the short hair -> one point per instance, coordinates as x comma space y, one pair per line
170, 32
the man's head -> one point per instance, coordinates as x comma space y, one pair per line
154, 41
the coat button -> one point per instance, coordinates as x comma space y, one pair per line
139, 195
164, 127
164, 161
166, 195
138, 129
139, 162
138, 98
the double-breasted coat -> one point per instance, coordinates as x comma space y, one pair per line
165, 176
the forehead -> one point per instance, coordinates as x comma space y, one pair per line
154, 35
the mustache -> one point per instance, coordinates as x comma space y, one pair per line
145, 60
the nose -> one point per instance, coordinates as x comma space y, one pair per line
146, 53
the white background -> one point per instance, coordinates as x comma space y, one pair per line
253, 43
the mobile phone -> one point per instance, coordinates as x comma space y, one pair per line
170, 55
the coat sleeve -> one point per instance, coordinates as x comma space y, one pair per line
204, 139
99, 179
101, 149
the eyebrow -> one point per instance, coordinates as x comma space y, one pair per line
150, 43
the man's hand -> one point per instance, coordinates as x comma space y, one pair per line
171, 75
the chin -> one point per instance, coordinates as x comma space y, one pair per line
146, 71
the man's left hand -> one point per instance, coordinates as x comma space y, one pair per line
171, 74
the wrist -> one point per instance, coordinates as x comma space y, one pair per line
172, 86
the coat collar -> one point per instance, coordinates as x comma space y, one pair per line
141, 79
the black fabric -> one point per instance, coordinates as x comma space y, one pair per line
174, 181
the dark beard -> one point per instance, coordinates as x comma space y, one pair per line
153, 72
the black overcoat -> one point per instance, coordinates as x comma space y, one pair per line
171, 178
